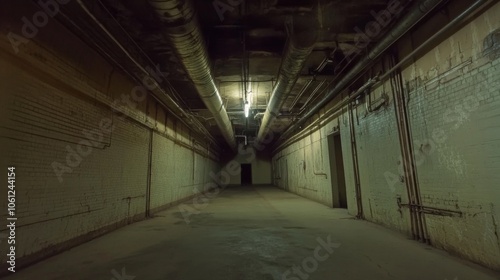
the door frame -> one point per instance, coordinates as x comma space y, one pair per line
337, 173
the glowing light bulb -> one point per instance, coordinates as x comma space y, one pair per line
247, 109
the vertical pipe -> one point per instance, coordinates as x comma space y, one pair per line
409, 190
413, 169
150, 165
415, 203
355, 164
418, 11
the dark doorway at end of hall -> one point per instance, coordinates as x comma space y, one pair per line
246, 174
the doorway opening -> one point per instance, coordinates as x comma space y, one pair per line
246, 174
339, 194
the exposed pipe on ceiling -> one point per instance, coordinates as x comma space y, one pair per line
158, 91
373, 82
182, 29
311, 96
325, 62
460, 18
297, 50
244, 137
258, 116
299, 95
320, 68
417, 13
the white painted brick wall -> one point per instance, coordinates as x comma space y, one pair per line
44, 123
174, 176
460, 174
306, 183
52, 99
378, 152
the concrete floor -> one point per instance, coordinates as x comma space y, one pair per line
255, 233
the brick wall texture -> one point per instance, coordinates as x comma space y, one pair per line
84, 146
453, 103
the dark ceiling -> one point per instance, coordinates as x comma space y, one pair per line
243, 35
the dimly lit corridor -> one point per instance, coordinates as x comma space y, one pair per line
250, 139
255, 233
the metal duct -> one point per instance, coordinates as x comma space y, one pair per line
416, 14
183, 31
298, 48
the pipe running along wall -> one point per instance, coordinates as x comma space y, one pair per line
470, 11
183, 31
159, 94
418, 224
416, 13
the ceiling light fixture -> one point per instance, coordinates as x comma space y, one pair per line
247, 109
